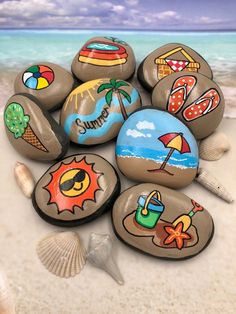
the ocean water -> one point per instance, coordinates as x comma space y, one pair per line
19, 48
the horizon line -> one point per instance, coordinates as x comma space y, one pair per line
118, 30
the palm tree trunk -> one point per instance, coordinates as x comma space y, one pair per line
122, 107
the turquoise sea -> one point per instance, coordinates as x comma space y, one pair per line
19, 48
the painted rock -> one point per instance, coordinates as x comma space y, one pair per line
161, 222
47, 82
193, 98
76, 190
169, 59
32, 131
104, 57
95, 111
153, 146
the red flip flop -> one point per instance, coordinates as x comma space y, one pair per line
209, 101
180, 91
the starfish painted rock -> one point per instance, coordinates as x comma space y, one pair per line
176, 234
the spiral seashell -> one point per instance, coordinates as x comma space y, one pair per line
62, 254
7, 305
214, 146
24, 179
205, 178
100, 255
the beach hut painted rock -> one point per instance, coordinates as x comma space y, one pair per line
95, 111
169, 59
32, 131
76, 190
104, 57
153, 146
193, 98
47, 82
162, 222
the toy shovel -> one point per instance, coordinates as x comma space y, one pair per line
186, 219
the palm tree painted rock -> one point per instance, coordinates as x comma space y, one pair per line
102, 57
95, 111
153, 146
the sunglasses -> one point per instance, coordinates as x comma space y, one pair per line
68, 185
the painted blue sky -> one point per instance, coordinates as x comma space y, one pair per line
122, 14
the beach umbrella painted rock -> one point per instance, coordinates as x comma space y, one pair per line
161, 222
32, 131
169, 59
104, 57
47, 82
193, 98
94, 112
153, 146
76, 190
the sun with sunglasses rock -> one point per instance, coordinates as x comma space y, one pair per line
72, 184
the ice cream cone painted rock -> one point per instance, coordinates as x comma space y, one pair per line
161, 222
168, 59
193, 98
104, 57
32, 131
153, 146
95, 111
76, 190
48, 82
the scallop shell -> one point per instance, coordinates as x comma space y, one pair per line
206, 179
62, 254
24, 179
100, 255
7, 305
214, 146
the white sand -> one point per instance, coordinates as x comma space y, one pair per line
204, 284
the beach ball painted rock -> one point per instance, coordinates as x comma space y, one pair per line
153, 146
95, 111
193, 98
32, 131
162, 222
169, 59
47, 82
104, 57
76, 190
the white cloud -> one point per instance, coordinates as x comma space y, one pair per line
142, 125
167, 15
118, 9
132, 2
134, 133
209, 21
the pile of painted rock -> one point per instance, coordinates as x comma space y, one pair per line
156, 145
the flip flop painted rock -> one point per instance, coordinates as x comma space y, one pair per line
169, 59
194, 99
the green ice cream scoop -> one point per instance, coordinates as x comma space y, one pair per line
15, 119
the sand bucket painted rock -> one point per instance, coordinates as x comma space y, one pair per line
149, 209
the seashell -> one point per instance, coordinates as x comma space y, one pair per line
7, 305
62, 254
214, 146
24, 179
99, 255
205, 178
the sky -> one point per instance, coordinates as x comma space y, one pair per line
119, 14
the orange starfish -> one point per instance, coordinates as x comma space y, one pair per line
176, 234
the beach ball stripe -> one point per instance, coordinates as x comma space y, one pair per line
38, 77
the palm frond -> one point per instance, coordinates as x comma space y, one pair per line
108, 97
121, 83
125, 94
103, 87
113, 82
